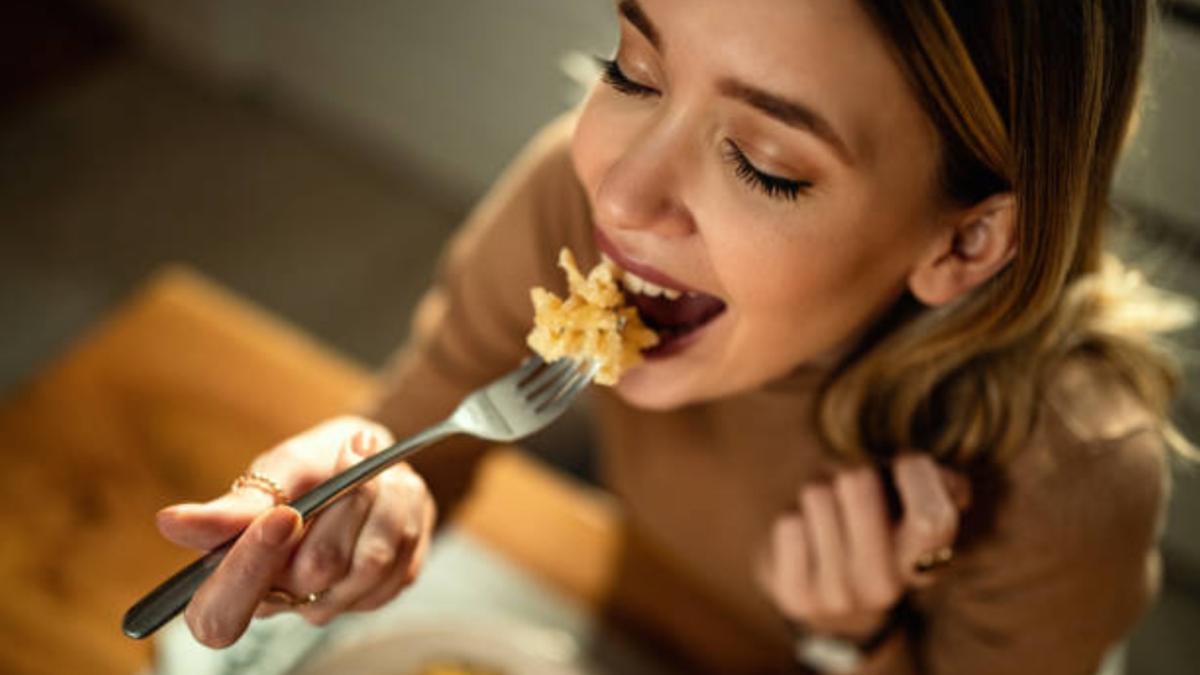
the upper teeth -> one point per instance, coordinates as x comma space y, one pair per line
637, 284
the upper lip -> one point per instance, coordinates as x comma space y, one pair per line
639, 268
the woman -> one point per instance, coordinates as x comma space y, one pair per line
889, 216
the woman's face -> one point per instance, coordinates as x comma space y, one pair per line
766, 154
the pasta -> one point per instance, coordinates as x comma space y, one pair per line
593, 322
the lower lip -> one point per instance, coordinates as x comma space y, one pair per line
679, 344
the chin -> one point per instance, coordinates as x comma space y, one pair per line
642, 388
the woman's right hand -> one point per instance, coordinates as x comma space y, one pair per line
356, 555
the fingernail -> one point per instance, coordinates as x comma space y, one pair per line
182, 512
279, 525
362, 444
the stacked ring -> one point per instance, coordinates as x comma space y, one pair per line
933, 560
257, 481
282, 597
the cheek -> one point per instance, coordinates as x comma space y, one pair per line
599, 139
767, 269
802, 286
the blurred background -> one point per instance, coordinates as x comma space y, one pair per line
313, 156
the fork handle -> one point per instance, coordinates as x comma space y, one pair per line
171, 596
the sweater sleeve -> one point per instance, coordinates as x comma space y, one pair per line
1067, 566
470, 325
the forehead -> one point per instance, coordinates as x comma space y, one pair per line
826, 53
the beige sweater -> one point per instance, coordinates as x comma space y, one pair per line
1057, 557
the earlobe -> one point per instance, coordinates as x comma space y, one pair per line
974, 246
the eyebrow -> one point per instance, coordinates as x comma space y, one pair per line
633, 13
792, 113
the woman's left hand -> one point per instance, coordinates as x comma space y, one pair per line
838, 565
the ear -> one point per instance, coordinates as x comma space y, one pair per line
971, 247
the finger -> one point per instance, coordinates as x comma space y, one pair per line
295, 466
300, 463
788, 573
323, 557
266, 610
824, 531
929, 520
207, 525
376, 437
958, 486
401, 577
868, 537
385, 545
223, 605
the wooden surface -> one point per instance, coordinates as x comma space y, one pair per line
167, 401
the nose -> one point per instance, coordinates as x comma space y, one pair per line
642, 188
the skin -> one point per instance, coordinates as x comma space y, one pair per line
359, 553
801, 278
798, 277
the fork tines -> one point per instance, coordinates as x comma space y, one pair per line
556, 382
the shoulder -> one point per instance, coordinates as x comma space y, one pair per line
1086, 399
1094, 471
544, 161
1059, 556
535, 207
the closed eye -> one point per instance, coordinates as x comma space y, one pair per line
776, 187
616, 78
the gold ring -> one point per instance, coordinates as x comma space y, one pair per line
253, 479
282, 597
933, 560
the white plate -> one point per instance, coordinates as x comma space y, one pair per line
409, 646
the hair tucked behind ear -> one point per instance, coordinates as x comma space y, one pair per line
1032, 97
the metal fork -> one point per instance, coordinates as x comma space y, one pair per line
512, 407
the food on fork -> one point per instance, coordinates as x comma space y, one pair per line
593, 322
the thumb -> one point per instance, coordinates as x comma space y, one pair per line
206, 525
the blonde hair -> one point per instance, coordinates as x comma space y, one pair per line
1035, 98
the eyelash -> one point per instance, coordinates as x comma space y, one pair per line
773, 186
616, 78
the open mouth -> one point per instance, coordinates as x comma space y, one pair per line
675, 314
